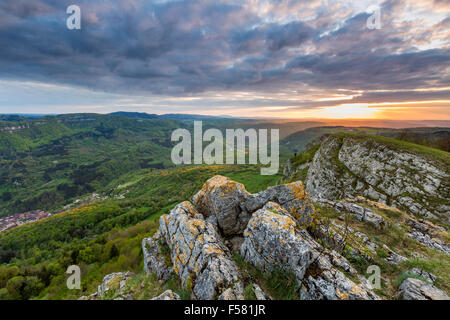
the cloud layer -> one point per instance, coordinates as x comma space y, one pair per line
232, 54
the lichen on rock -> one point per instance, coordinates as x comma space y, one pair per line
198, 253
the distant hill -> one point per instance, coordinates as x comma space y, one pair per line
436, 137
173, 116
139, 115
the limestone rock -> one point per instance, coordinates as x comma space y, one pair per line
393, 257
223, 199
259, 293
434, 243
167, 295
89, 297
235, 243
198, 253
272, 239
154, 260
114, 281
232, 293
428, 234
347, 167
292, 197
361, 214
422, 273
415, 289
324, 282
378, 205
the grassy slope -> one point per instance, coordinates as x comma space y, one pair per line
395, 237
433, 154
297, 141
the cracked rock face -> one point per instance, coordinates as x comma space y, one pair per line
154, 260
272, 239
415, 289
268, 235
324, 281
348, 167
426, 240
359, 212
428, 234
226, 203
198, 254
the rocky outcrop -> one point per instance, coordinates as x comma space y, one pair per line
324, 281
273, 240
198, 254
154, 260
292, 197
114, 282
359, 212
415, 289
229, 206
427, 240
339, 237
431, 278
347, 167
221, 201
427, 234
167, 295
266, 228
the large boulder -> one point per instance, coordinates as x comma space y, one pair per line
222, 199
292, 197
415, 289
198, 254
227, 203
272, 240
266, 228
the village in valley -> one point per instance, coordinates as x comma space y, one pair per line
19, 219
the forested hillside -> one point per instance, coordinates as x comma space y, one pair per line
47, 161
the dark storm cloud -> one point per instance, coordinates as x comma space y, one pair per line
187, 47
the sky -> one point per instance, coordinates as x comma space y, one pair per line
255, 58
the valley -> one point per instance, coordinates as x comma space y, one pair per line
104, 181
